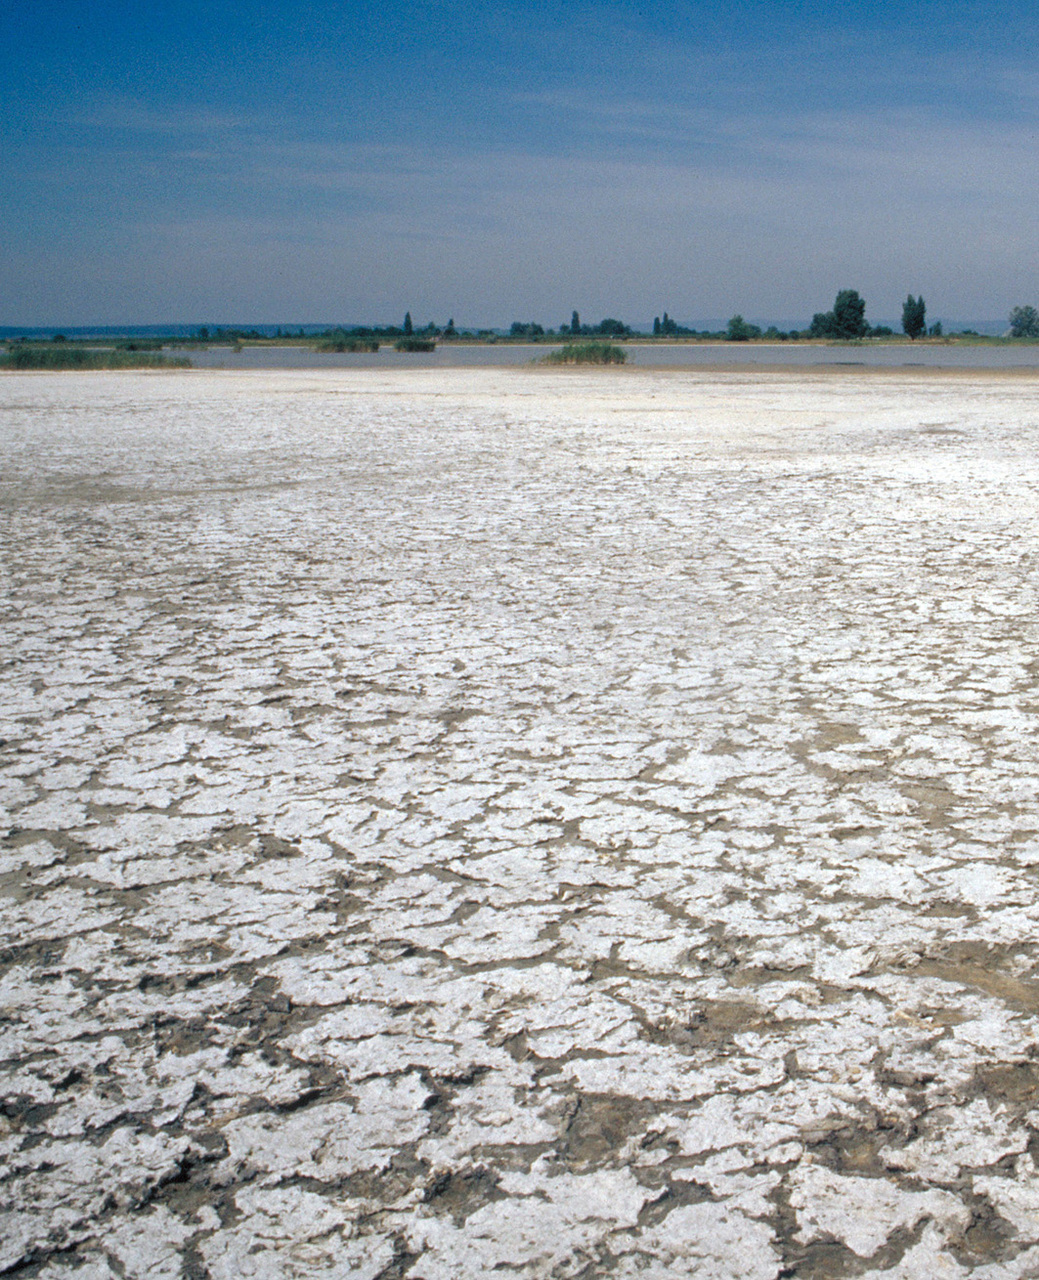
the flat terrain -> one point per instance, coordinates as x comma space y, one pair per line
573, 824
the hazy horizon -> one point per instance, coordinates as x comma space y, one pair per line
989, 327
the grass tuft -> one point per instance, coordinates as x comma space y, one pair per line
415, 344
587, 353
69, 357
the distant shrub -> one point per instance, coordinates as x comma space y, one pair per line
31, 356
415, 344
348, 344
587, 353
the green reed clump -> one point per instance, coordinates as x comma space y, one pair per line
415, 344
347, 344
69, 357
587, 353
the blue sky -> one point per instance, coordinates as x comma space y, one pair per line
332, 161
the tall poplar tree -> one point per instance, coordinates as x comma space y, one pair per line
914, 313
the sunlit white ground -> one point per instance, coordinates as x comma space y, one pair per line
580, 824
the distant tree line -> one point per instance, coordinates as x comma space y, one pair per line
390, 332
608, 328
220, 334
666, 327
845, 321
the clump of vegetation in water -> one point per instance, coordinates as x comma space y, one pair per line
415, 344
66, 356
353, 345
587, 353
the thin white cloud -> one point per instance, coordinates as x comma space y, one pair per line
767, 215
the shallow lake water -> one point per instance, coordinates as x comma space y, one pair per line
480, 820
681, 355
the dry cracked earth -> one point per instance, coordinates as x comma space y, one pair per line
529, 823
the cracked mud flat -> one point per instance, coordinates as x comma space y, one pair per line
563, 825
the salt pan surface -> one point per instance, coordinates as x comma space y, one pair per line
577, 823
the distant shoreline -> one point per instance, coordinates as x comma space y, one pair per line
745, 372
967, 354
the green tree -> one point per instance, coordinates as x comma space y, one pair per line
740, 331
846, 320
849, 314
409, 328
914, 313
823, 325
575, 323
1024, 322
